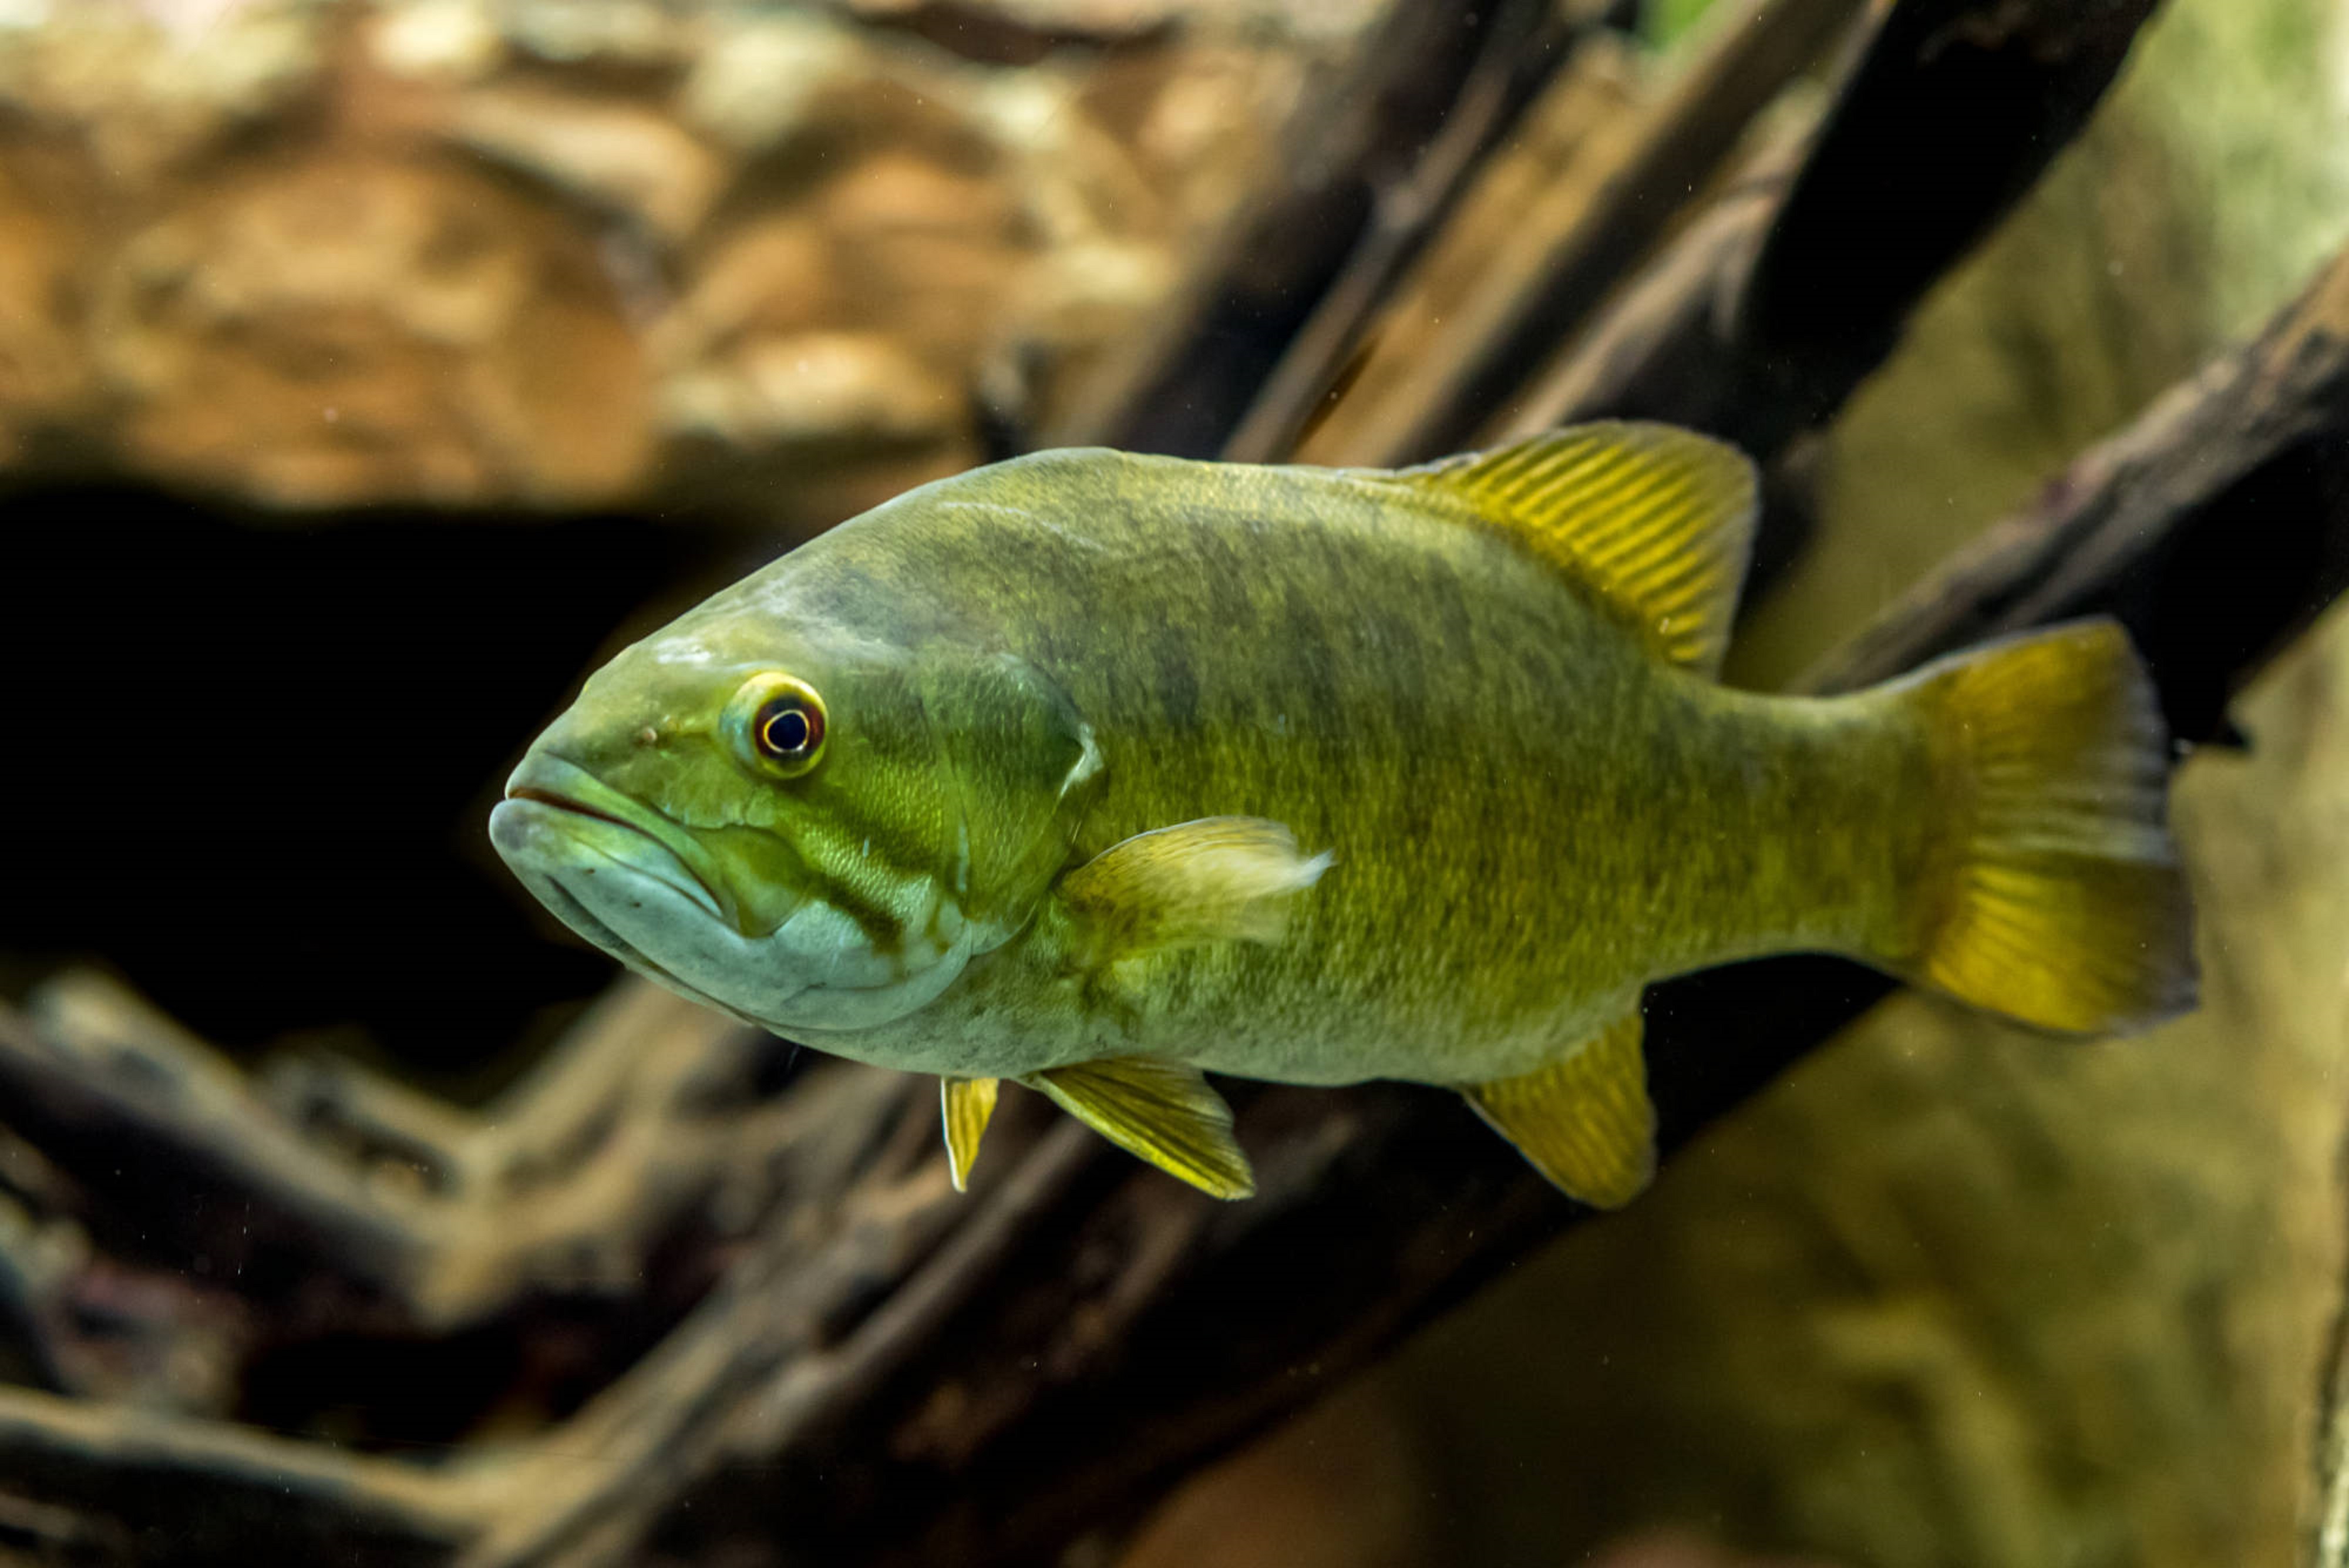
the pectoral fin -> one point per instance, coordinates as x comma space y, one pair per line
1584, 1121
1219, 879
1158, 1111
965, 1105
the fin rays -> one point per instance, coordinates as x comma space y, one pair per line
1584, 1121
2060, 900
1217, 878
965, 1107
1162, 1112
1657, 521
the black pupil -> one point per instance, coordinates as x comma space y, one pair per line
786, 730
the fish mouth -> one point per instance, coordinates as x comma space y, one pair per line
568, 908
663, 851
640, 887
548, 798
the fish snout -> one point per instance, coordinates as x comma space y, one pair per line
554, 810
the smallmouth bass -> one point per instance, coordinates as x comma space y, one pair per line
1096, 771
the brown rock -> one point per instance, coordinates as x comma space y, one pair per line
346, 329
572, 255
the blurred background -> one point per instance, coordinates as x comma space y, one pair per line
369, 370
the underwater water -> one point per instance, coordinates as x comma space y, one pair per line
620, 610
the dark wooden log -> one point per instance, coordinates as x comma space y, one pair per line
1518, 67
1355, 155
2207, 528
327, 1192
1760, 320
86, 1482
1673, 155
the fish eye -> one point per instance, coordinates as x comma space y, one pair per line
780, 722
789, 729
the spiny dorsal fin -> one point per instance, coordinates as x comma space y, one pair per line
964, 1105
1585, 1120
1159, 1111
1659, 520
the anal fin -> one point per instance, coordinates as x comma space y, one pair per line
1162, 1112
1584, 1120
964, 1107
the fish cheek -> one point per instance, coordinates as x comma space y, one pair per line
1021, 765
877, 854
771, 878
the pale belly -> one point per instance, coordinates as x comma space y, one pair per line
1253, 1013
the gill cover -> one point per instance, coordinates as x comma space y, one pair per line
1021, 765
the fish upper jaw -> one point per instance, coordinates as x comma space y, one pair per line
668, 854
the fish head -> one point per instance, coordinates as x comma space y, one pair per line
801, 824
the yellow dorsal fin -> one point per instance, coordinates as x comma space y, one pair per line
1584, 1121
1659, 520
965, 1105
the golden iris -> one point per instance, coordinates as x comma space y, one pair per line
783, 721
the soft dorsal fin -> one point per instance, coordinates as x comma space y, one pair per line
1659, 520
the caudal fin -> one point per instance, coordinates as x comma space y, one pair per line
2058, 899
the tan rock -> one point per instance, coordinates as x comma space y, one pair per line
812, 387
318, 254
344, 330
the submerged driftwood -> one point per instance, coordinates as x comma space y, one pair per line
880, 1370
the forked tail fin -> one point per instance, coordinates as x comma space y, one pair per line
2058, 898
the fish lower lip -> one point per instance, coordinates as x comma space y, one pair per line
584, 921
697, 885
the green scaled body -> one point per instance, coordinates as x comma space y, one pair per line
1094, 770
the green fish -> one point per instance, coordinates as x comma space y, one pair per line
1095, 771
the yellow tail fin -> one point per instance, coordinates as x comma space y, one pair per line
2058, 900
